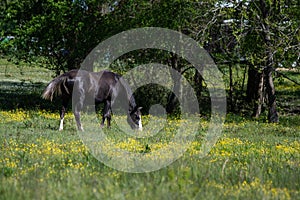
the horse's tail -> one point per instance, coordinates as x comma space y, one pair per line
54, 88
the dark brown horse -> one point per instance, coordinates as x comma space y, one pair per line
85, 87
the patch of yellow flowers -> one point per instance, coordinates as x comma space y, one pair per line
9, 116
41, 154
44, 150
20, 115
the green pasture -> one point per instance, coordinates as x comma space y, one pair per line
251, 160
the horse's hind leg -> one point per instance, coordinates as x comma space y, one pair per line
62, 115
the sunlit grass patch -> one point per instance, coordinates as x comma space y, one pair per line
249, 190
23, 72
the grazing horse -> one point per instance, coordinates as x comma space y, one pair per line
99, 87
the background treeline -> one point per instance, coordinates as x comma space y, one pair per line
249, 41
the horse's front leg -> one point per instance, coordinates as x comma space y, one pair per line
76, 111
77, 119
106, 114
108, 117
79, 100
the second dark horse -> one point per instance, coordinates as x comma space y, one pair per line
101, 87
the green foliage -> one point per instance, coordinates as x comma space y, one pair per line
63, 32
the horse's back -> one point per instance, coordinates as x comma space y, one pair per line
102, 84
104, 79
109, 77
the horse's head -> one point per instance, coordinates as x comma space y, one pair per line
135, 118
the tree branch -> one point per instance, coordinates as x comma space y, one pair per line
285, 76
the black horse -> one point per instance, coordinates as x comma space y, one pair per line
99, 87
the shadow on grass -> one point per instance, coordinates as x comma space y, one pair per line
24, 95
289, 101
27, 96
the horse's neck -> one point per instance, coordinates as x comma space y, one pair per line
128, 93
132, 103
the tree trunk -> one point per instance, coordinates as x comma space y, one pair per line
198, 84
255, 90
231, 103
270, 89
173, 103
252, 84
259, 101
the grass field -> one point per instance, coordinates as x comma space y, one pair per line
251, 160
